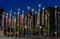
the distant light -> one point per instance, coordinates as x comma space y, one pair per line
18, 9
43, 8
25, 26
58, 12
39, 5
23, 11
55, 6
55, 32
35, 12
11, 11
32, 9
7, 14
10, 14
14, 12
46, 11
44, 33
28, 7
40, 26
18, 13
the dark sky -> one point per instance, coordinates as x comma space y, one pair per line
22, 4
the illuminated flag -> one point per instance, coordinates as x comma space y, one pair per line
43, 18
38, 18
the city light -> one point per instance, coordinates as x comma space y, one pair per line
35, 22
39, 5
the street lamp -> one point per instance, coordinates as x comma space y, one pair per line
43, 18
10, 22
56, 23
32, 19
28, 7
39, 5
18, 22
6, 23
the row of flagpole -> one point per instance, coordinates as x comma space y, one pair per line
28, 25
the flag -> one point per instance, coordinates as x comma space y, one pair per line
43, 18
22, 19
38, 18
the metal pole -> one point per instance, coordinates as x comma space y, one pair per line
10, 22
43, 20
35, 21
18, 21
6, 24
32, 17
56, 19
28, 22
39, 32
48, 23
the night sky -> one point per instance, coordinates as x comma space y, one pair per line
22, 4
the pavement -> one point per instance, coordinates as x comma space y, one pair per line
29, 37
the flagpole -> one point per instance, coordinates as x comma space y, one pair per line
56, 19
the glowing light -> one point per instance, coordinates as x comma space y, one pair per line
28, 7
39, 5
35, 12
23, 11
32, 9
18, 9
43, 8
55, 6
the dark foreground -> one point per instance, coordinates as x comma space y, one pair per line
29, 37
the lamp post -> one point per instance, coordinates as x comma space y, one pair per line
28, 22
35, 21
10, 22
7, 24
48, 22
43, 19
18, 21
14, 24
22, 23
58, 23
32, 18
25, 25
39, 32
56, 20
